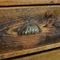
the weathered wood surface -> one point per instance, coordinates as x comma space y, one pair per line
28, 51
27, 2
13, 19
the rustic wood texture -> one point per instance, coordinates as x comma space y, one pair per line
13, 18
27, 2
12, 54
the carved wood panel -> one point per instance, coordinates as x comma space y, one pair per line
28, 27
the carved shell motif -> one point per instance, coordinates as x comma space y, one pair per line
28, 28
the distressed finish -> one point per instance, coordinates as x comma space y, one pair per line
13, 22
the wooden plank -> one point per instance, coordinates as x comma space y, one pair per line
12, 20
52, 55
28, 51
27, 2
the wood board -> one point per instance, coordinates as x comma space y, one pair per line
14, 18
27, 2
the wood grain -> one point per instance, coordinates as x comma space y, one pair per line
28, 51
27, 2
12, 18
52, 55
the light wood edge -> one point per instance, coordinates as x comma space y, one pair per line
24, 2
28, 51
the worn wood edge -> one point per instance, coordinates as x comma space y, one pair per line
28, 51
18, 7
28, 2
51, 55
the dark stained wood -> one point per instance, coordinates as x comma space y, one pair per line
47, 18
